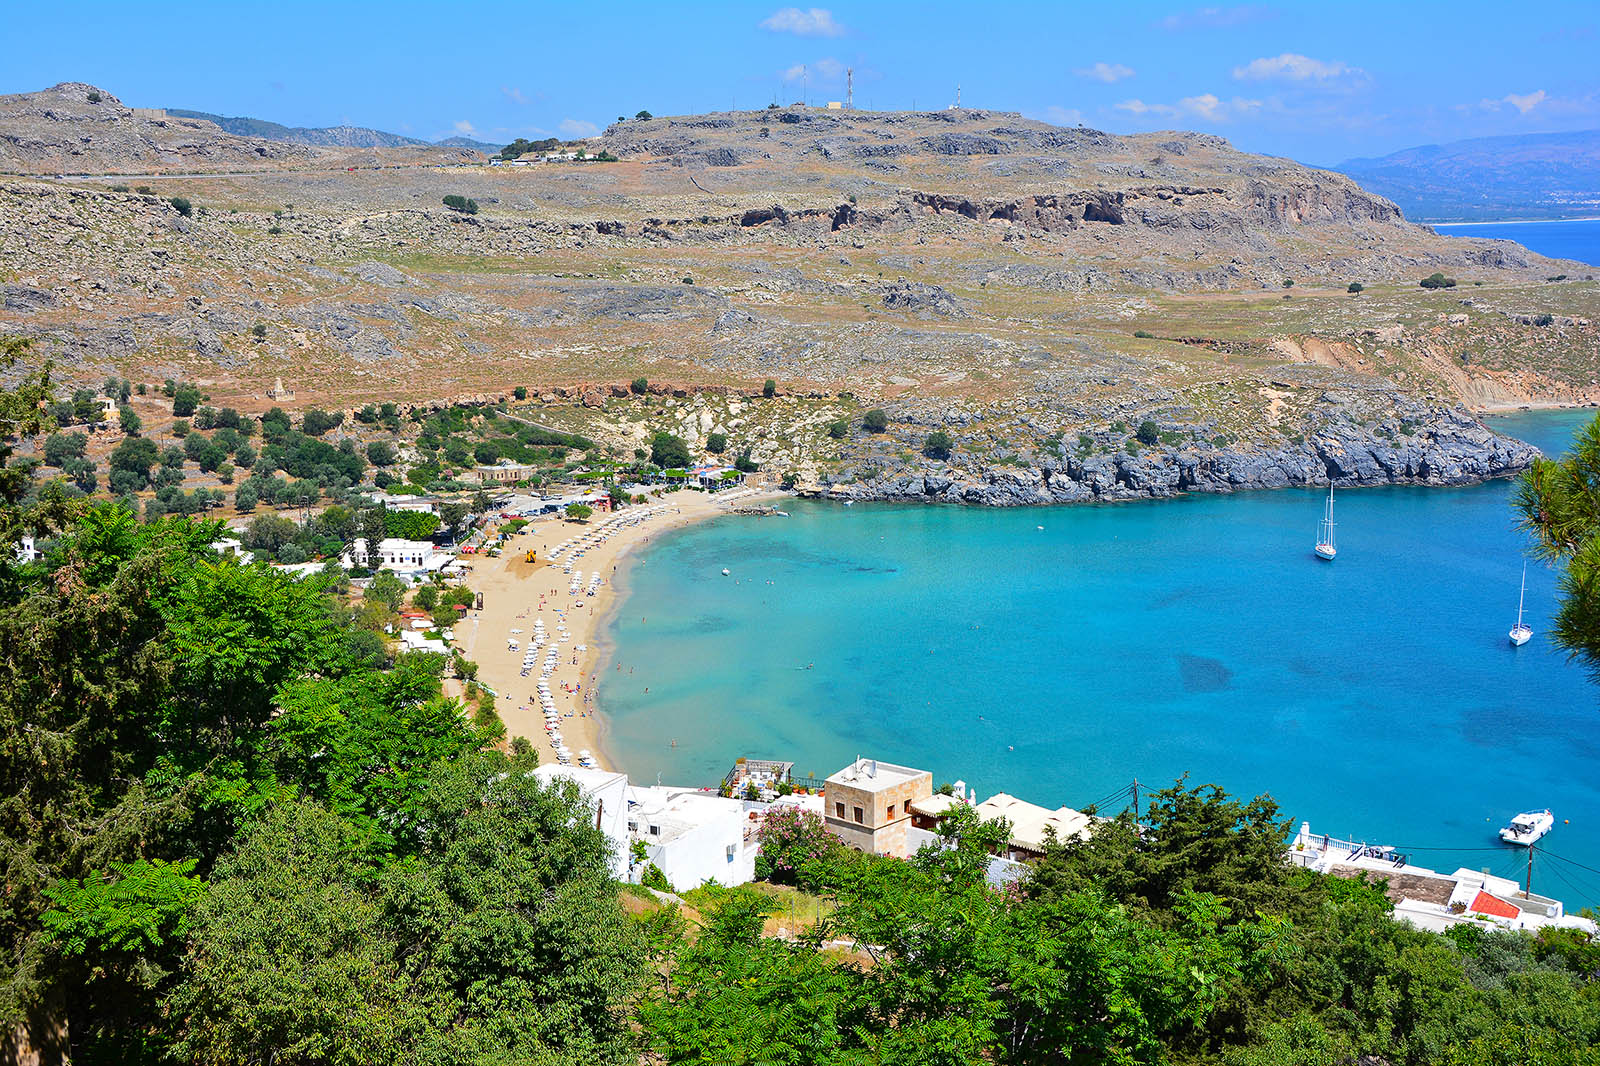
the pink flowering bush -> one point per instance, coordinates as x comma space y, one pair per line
795, 847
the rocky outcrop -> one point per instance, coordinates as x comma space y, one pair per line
1452, 448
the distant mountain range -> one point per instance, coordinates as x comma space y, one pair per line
324, 137
1535, 175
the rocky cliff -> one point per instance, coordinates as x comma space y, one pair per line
1446, 447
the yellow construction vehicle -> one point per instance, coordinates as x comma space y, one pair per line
532, 556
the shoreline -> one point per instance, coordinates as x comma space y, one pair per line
517, 593
1512, 222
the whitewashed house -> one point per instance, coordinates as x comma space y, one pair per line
692, 836
397, 554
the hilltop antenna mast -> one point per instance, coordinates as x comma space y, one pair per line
850, 88
958, 96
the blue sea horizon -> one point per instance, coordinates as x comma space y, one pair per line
1376, 697
1565, 239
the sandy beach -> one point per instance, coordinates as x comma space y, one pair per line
518, 594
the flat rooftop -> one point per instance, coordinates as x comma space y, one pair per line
872, 775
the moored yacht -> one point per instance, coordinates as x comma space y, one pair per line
1528, 827
1522, 630
1325, 548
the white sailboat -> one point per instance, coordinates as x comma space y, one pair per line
1325, 548
1522, 630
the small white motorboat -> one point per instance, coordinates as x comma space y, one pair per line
725, 571
1528, 827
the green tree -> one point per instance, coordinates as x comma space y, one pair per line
184, 401
1437, 280
135, 455
61, 447
839, 428
1557, 505
639, 386
769, 389
716, 443
315, 423
938, 445
182, 206
1356, 288
644, 116
461, 204
579, 512
669, 452
387, 589
381, 453
452, 516
520, 392
1148, 432
875, 420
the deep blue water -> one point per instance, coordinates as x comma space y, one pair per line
1376, 696
1578, 240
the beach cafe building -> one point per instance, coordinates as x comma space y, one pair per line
712, 478
397, 554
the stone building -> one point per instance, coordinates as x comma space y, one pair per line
868, 804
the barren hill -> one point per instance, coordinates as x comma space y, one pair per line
74, 128
1037, 292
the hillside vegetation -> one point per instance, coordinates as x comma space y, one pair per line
1015, 286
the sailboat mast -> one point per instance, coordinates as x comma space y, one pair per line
1522, 594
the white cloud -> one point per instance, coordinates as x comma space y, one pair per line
1063, 116
1206, 106
820, 71
1291, 66
1139, 107
514, 94
1525, 102
812, 22
574, 128
1215, 17
1106, 72
465, 128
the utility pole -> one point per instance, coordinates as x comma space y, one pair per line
850, 88
1527, 888
1136, 802
958, 96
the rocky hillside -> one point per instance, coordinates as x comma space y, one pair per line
73, 128
1035, 293
1533, 175
325, 136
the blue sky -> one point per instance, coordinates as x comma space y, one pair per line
1316, 81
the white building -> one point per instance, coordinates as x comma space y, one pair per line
395, 553
1031, 824
606, 794
1429, 899
692, 836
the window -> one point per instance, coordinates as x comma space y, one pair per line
858, 816
655, 830
838, 810
891, 812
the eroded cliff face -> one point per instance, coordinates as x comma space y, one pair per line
1449, 448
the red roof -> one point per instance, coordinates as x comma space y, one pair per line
1493, 906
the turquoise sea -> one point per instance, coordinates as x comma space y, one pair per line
1578, 239
1376, 696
